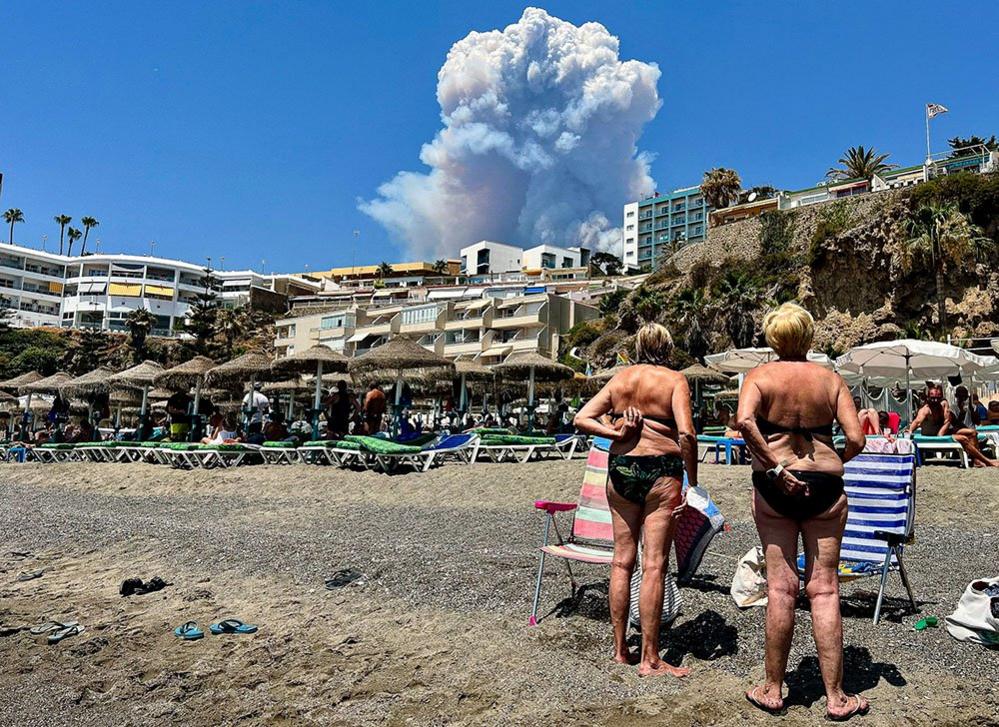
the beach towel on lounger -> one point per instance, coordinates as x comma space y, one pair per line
515, 439
381, 446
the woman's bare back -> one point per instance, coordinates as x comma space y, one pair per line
800, 400
650, 390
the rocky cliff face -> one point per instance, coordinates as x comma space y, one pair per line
844, 261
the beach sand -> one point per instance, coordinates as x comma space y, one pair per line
435, 631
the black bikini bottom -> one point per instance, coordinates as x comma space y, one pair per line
824, 490
634, 477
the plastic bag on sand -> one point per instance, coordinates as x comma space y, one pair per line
977, 616
749, 584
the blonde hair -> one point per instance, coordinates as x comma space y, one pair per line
789, 330
653, 344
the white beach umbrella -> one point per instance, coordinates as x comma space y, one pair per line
741, 360
910, 358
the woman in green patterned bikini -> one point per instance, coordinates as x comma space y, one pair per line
653, 441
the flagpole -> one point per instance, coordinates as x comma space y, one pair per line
926, 111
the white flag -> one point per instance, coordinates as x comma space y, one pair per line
935, 109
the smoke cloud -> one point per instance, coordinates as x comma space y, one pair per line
539, 142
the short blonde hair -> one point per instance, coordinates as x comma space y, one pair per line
653, 344
789, 330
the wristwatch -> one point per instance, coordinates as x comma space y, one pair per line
773, 474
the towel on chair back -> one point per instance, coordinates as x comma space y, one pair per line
699, 522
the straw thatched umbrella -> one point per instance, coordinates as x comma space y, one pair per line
602, 377
89, 384
699, 375
183, 376
15, 384
289, 387
319, 358
535, 367
141, 376
398, 358
49, 385
470, 371
252, 366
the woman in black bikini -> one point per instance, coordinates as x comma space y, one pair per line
786, 413
653, 441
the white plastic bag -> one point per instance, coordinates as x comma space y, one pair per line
977, 616
749, 584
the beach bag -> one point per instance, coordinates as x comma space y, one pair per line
977, 616
749, 584
699, 522
671, 597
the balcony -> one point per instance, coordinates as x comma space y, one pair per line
462, 323
524, 320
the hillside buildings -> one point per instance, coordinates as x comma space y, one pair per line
656, 227
99, 291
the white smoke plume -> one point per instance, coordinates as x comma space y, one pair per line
539, 144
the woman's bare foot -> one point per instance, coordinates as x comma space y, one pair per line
846, 706
661, 668
629, 657
766, 697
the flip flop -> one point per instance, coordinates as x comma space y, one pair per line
343, 578
30, 575
753, 700
924, 623
66, 632
44, 628
232, 626
189, 631
861, 711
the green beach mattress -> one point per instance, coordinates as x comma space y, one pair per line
381, 446
513, 439
279, 445
53, 445
481, 431
179, 446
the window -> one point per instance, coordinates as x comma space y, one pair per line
547, 260
329, 322
629, 228
631, 213
423, 314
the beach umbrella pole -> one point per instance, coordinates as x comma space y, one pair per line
530, 401
317, 400
908, 392
398, 401
463, 402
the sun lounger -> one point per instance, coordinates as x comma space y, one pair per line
513, 447
454, 447
336, 452
52, 452
940, 448
280, 453
591, 539
881, 492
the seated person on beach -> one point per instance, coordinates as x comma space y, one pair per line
275, 429
869, 420
85, 432
223, 429
979, 408
255, 434
992, 413
178, 407
935, 419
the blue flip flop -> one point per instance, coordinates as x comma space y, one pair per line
189, 631
232, 626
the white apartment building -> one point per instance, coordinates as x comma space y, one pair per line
485, 328
487, 258
99, 291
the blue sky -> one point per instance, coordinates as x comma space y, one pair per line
249, 130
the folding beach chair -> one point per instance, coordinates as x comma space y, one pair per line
591, 538
733, 449
881, 492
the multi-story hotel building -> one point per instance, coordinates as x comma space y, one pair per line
656, 227
477, 325
99, 291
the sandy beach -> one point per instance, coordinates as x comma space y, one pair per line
435, 629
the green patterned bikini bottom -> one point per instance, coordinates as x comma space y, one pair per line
634, 477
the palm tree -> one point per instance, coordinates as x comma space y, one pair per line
73, 235
63, 220
384, 270
860, 163
88, 222
440, 267
943, 235
11, 216
140, 323
738, 297
691, 308
230, 325
720, 187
